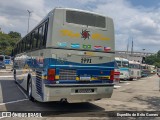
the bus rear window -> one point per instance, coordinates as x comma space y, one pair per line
85, 19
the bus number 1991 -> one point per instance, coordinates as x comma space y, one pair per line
86, 60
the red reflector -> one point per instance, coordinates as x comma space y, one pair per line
112, 75
51, 74
116, 73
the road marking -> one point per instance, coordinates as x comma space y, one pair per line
117, 86
5, 76
22, 92
5, 71
13, 101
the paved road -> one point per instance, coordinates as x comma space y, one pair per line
138, 95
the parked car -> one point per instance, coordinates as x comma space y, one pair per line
2, 65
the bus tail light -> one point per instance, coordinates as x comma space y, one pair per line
112, 75
51, 74
116, 75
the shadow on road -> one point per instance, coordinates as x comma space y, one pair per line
10, 93
152, 102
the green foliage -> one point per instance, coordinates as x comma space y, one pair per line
7, 42
154, 59
14, 34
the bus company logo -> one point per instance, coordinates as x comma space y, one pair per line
85, 34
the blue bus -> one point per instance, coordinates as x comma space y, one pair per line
68, 56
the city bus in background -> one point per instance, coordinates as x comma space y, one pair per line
134, 70
123, 65
8, 60
152, 69
116, 74
145, 72
2, 62
68, 56
2, 58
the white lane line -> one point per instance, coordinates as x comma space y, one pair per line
117, 86
5, 76
22, 92
8, 71
13, 102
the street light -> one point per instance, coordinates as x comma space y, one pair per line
143, 51
143, 56
29, 12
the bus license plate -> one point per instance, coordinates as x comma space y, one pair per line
84, 91
85, 78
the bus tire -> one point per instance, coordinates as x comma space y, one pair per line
29, 90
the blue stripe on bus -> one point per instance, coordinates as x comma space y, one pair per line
78, 66
93, 70
124, 69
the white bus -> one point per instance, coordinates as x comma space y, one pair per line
135, 70
123, 65
68, 56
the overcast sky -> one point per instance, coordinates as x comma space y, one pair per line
134, 19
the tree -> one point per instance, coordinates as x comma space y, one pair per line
12, 44
154, 59
158, 54
3, 44
14, 34
7, 41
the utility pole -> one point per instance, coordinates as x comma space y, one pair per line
29, 14
132, 48
127, 49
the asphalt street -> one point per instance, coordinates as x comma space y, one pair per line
137, 95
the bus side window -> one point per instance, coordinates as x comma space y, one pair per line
40, 37
34, 41
36, 38
27, 43
45, 34
20, 45
30, 41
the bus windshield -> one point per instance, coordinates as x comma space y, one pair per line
118, 63
125, 64
7, 57
136, 66
1, 58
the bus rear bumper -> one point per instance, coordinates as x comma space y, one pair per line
78, 92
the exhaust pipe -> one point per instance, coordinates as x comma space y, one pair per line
64, 100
